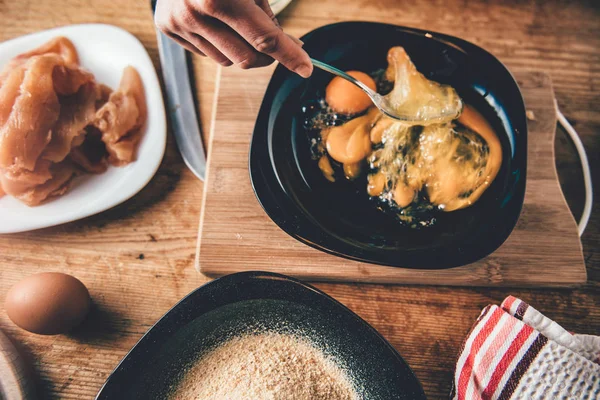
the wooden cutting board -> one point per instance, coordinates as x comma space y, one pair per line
237, 235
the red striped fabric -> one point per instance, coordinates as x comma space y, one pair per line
465, 374
508, 302
515, 352
485, 365
522, 366
506, 360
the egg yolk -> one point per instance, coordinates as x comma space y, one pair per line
346, 98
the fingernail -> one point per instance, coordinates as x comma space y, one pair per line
304, 70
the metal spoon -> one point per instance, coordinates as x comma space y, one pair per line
380, 101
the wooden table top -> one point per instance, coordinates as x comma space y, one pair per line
137, 259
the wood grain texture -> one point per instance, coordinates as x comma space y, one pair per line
15, 382
237, 235
426, 324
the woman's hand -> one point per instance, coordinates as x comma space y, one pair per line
241, 32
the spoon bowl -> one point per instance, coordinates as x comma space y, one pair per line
381, 102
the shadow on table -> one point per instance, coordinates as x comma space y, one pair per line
101, 325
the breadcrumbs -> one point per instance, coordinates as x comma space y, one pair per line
265, 366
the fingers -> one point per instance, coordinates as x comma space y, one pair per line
173, 18
241, 32
183, 43
255, 26
207, 48
232, 45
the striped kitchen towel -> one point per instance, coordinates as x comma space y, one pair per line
515, 352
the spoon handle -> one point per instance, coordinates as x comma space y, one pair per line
335, 71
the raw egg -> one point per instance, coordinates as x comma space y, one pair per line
346, 98
48, 303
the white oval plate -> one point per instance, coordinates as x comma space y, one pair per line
104, 50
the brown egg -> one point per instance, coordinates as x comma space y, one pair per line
48, 303
346, 98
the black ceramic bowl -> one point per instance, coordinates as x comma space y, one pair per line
241, 303
339, 218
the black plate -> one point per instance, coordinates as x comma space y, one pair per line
242, 302
338, 218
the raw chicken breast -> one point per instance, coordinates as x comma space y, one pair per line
9, 93
62, 175
91, 154
27, 129
56, 122
60, 46
77, 111
122, 118
20, 181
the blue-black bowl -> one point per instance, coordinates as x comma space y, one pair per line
241, 303
339, 218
